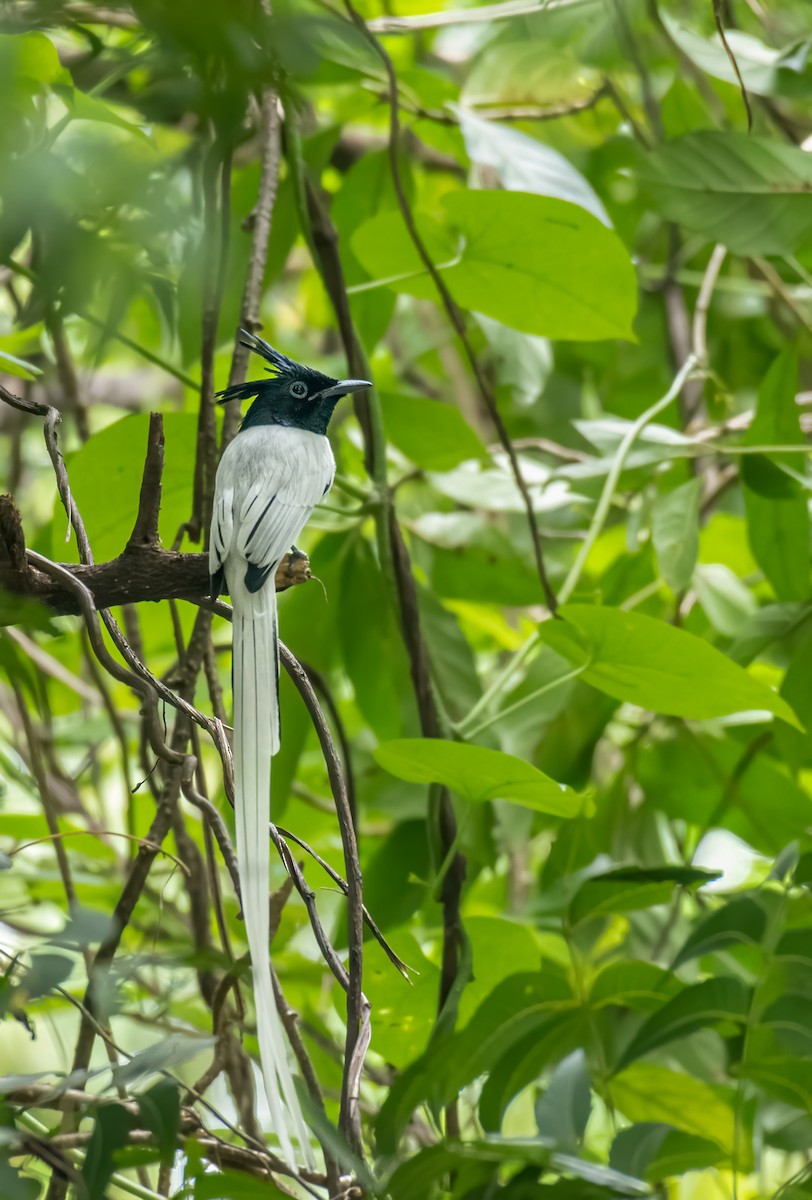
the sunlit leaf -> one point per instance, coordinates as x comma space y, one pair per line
653, 664
477, 774
540, 265
752, 193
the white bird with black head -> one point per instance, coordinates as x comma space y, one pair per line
270, 478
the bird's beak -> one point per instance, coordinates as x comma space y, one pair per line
344, 387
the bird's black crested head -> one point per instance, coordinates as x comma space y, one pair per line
295, 395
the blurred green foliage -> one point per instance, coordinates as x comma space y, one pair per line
631, 781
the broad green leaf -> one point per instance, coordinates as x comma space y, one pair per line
405, 1012
791, 1021
477, 774
111, 1130
233, 1185
675, 533
29, 59
778, 525
393, 875
645, 1092
639, 985
647, 662
435, 436
627, 889
728, 603
752, 193
523, 164
18, 367
600, 1176
89, 108
654, 1150
537, 264
172, 1051
105, 478
515, 1070
563, 1110
498, 944
781, 1075
796, 747
371, 644
519, 1007
159, 1109
680, 1153
17, 1187
474, 1160
741, 922
452, 656
720, 1000
528, 71
760, 66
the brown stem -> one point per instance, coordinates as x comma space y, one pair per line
260, 224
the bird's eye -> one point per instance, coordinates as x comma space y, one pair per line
298, 389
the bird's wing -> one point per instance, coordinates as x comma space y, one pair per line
264, 496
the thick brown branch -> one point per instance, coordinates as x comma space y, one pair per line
148, 573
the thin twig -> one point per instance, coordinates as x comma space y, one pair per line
260, 222
720, 29
216, 207
703, 302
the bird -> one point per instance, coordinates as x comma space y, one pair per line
270, 478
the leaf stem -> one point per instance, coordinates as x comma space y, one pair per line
595, 528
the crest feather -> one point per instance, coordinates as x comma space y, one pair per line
280, 363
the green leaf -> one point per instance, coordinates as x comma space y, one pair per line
728, 603
519, 257
522, 1064
647, 662
523, 164
751, 193
645, 1092
761, 67
473, 1160
517, 1008
405, 1012
778, 525
654, 1150
233, 1185
563, 1110
790, 1019
639, 985
17, 1187
105, 478
435, 436
18, 367
675, 533
627, 889
706, 1004
47, 972
477, 774
89, 108
159, 1109
392, 887
740, 923
372, 647
111, 1129
171, 1051
30, 58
